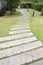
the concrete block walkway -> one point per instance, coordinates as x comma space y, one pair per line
21, 45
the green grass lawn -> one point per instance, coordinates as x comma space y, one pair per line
36, 25
6, 22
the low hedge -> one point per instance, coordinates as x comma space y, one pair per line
37, 6
26, 5
42, 11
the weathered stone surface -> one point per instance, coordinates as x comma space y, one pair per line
15, 36
19, 31
23, 58
40, 62
19, 28
17, 42
19, 49
20, 25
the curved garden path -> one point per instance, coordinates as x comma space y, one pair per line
21, 46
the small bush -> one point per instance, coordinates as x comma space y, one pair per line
42, 11
30, 5
37, 6
26, 5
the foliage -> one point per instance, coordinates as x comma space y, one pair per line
7, 21
12, 4
33, 1
37, 6
42, 11
25, 5
36, 25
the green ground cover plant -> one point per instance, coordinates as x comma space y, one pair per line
36, 24
7, 21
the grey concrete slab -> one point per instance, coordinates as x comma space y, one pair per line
19, 49
15, 36
22, 24
17, 42
23, 58
19, 28
40, 62
19, 31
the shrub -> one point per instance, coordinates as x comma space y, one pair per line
30, 5
26, 5
12, 4
37, 6
42, 11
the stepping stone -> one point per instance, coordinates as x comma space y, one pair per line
20, 28
19, 31
17, 42
23, 58
15, 37
40, 62
22, 23
19, 49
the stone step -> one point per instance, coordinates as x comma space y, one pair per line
19, 31
15, 36
17, 42
23, 23
23, 57
19, 49
40, 62
20, 28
